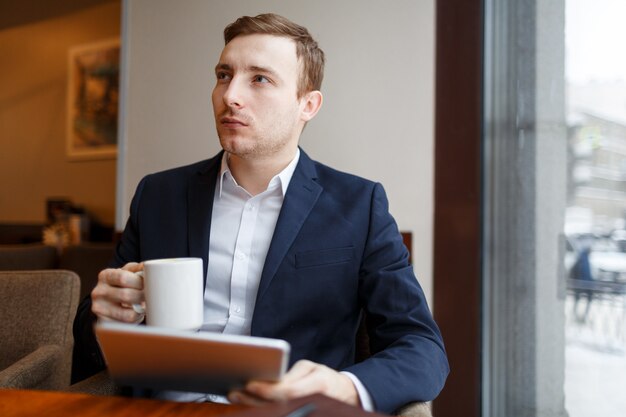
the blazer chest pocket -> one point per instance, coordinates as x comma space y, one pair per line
324, 257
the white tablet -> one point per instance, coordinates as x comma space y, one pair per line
159, 358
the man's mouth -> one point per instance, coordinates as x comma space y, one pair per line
232, 122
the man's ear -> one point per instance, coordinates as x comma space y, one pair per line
312, 103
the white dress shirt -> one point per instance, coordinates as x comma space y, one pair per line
242, 227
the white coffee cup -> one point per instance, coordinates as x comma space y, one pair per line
174, 293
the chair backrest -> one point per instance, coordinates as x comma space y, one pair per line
27, 257
37, 308
87, 260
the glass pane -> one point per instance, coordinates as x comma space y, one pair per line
595, 220
554, 246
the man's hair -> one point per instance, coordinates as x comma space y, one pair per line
307, 51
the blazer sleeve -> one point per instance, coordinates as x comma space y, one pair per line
87, 356
408, 361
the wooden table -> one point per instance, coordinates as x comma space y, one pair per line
21, 403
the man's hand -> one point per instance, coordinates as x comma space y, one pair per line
116, 292
304, 378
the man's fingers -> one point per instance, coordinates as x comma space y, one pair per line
299, 370
316, 381
117, 291
306, 378
281, 390
107, 310
133, 267
121, 278
127, 296
242, 397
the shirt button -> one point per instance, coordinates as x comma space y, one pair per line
241, 256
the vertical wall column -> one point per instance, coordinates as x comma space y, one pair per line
524, 205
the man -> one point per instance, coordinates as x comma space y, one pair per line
581, 273
295, 250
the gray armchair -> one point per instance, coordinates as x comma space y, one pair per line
416, 409
98, 384
27, 257
87, 260
37, 310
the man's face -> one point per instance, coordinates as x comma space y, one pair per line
257, 110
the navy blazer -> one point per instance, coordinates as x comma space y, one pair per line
336, 252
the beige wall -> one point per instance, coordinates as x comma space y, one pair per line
377, 118
33, 84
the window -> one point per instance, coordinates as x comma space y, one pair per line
554, 209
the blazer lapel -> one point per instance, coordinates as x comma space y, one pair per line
300, 198
199, 209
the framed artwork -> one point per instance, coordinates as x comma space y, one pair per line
92, 106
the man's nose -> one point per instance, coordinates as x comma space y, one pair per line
233, 96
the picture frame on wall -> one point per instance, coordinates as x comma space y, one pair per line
93, 98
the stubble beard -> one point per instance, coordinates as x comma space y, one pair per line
270, 141
255, 147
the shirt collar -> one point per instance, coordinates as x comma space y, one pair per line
283, 177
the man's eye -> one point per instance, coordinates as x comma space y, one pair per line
222, 75
261, 79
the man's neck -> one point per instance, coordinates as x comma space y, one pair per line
255, 174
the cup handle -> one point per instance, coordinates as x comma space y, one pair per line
138, 308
